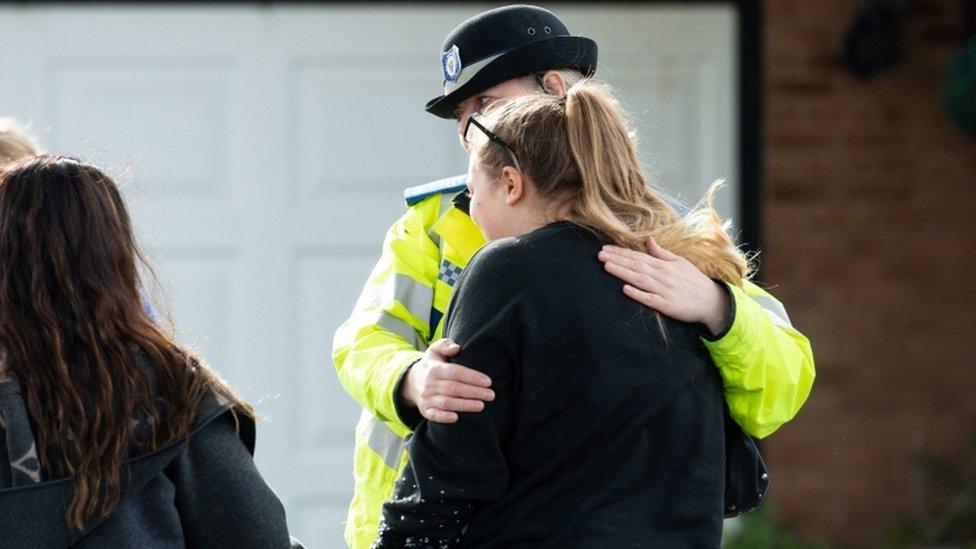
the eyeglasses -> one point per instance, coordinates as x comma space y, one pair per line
478, 137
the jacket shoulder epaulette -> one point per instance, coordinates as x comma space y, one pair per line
454, 184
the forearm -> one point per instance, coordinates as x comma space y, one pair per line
370, 362
455, 468
766, 365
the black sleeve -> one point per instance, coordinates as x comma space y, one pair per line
221, 497
457, 467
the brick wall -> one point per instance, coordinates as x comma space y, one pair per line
870, 237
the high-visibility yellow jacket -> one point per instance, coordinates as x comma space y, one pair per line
766, 365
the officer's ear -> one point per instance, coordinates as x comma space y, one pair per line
513, 183
554, 83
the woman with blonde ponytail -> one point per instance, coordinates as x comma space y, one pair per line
607, 427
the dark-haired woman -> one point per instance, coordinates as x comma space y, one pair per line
111, 433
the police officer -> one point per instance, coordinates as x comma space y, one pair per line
389, 355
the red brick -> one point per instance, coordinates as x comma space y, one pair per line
870, 239
798, 141
795, 87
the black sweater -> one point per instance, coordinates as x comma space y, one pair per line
602, 433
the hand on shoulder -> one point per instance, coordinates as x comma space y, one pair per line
440, 389
669, 284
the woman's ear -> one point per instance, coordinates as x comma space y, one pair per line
513, 183
554, 83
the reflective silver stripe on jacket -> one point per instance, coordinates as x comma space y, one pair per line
416, 297
435, 238
396, 326
774, 309
385, 442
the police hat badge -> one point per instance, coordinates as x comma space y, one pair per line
451, 63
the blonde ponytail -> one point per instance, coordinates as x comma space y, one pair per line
580, 155
616, 198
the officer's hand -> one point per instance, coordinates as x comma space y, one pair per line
440, 389
669, 284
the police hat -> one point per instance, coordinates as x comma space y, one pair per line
502, 44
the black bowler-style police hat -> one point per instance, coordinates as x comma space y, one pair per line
502, 44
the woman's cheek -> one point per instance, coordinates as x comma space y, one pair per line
481, 220
475, 210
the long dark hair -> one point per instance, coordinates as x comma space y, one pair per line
72, 323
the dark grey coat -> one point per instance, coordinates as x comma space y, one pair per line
202, 491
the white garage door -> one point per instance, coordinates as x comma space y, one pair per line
264, 151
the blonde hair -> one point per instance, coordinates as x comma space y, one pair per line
15, 143
579, 153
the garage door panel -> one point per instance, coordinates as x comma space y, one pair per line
204, 290
360, 125
353, 219
324, 414
171, 122
662, 101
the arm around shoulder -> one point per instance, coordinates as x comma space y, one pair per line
766, 364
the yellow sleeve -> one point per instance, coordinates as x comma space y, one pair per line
389, 326
766, 365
